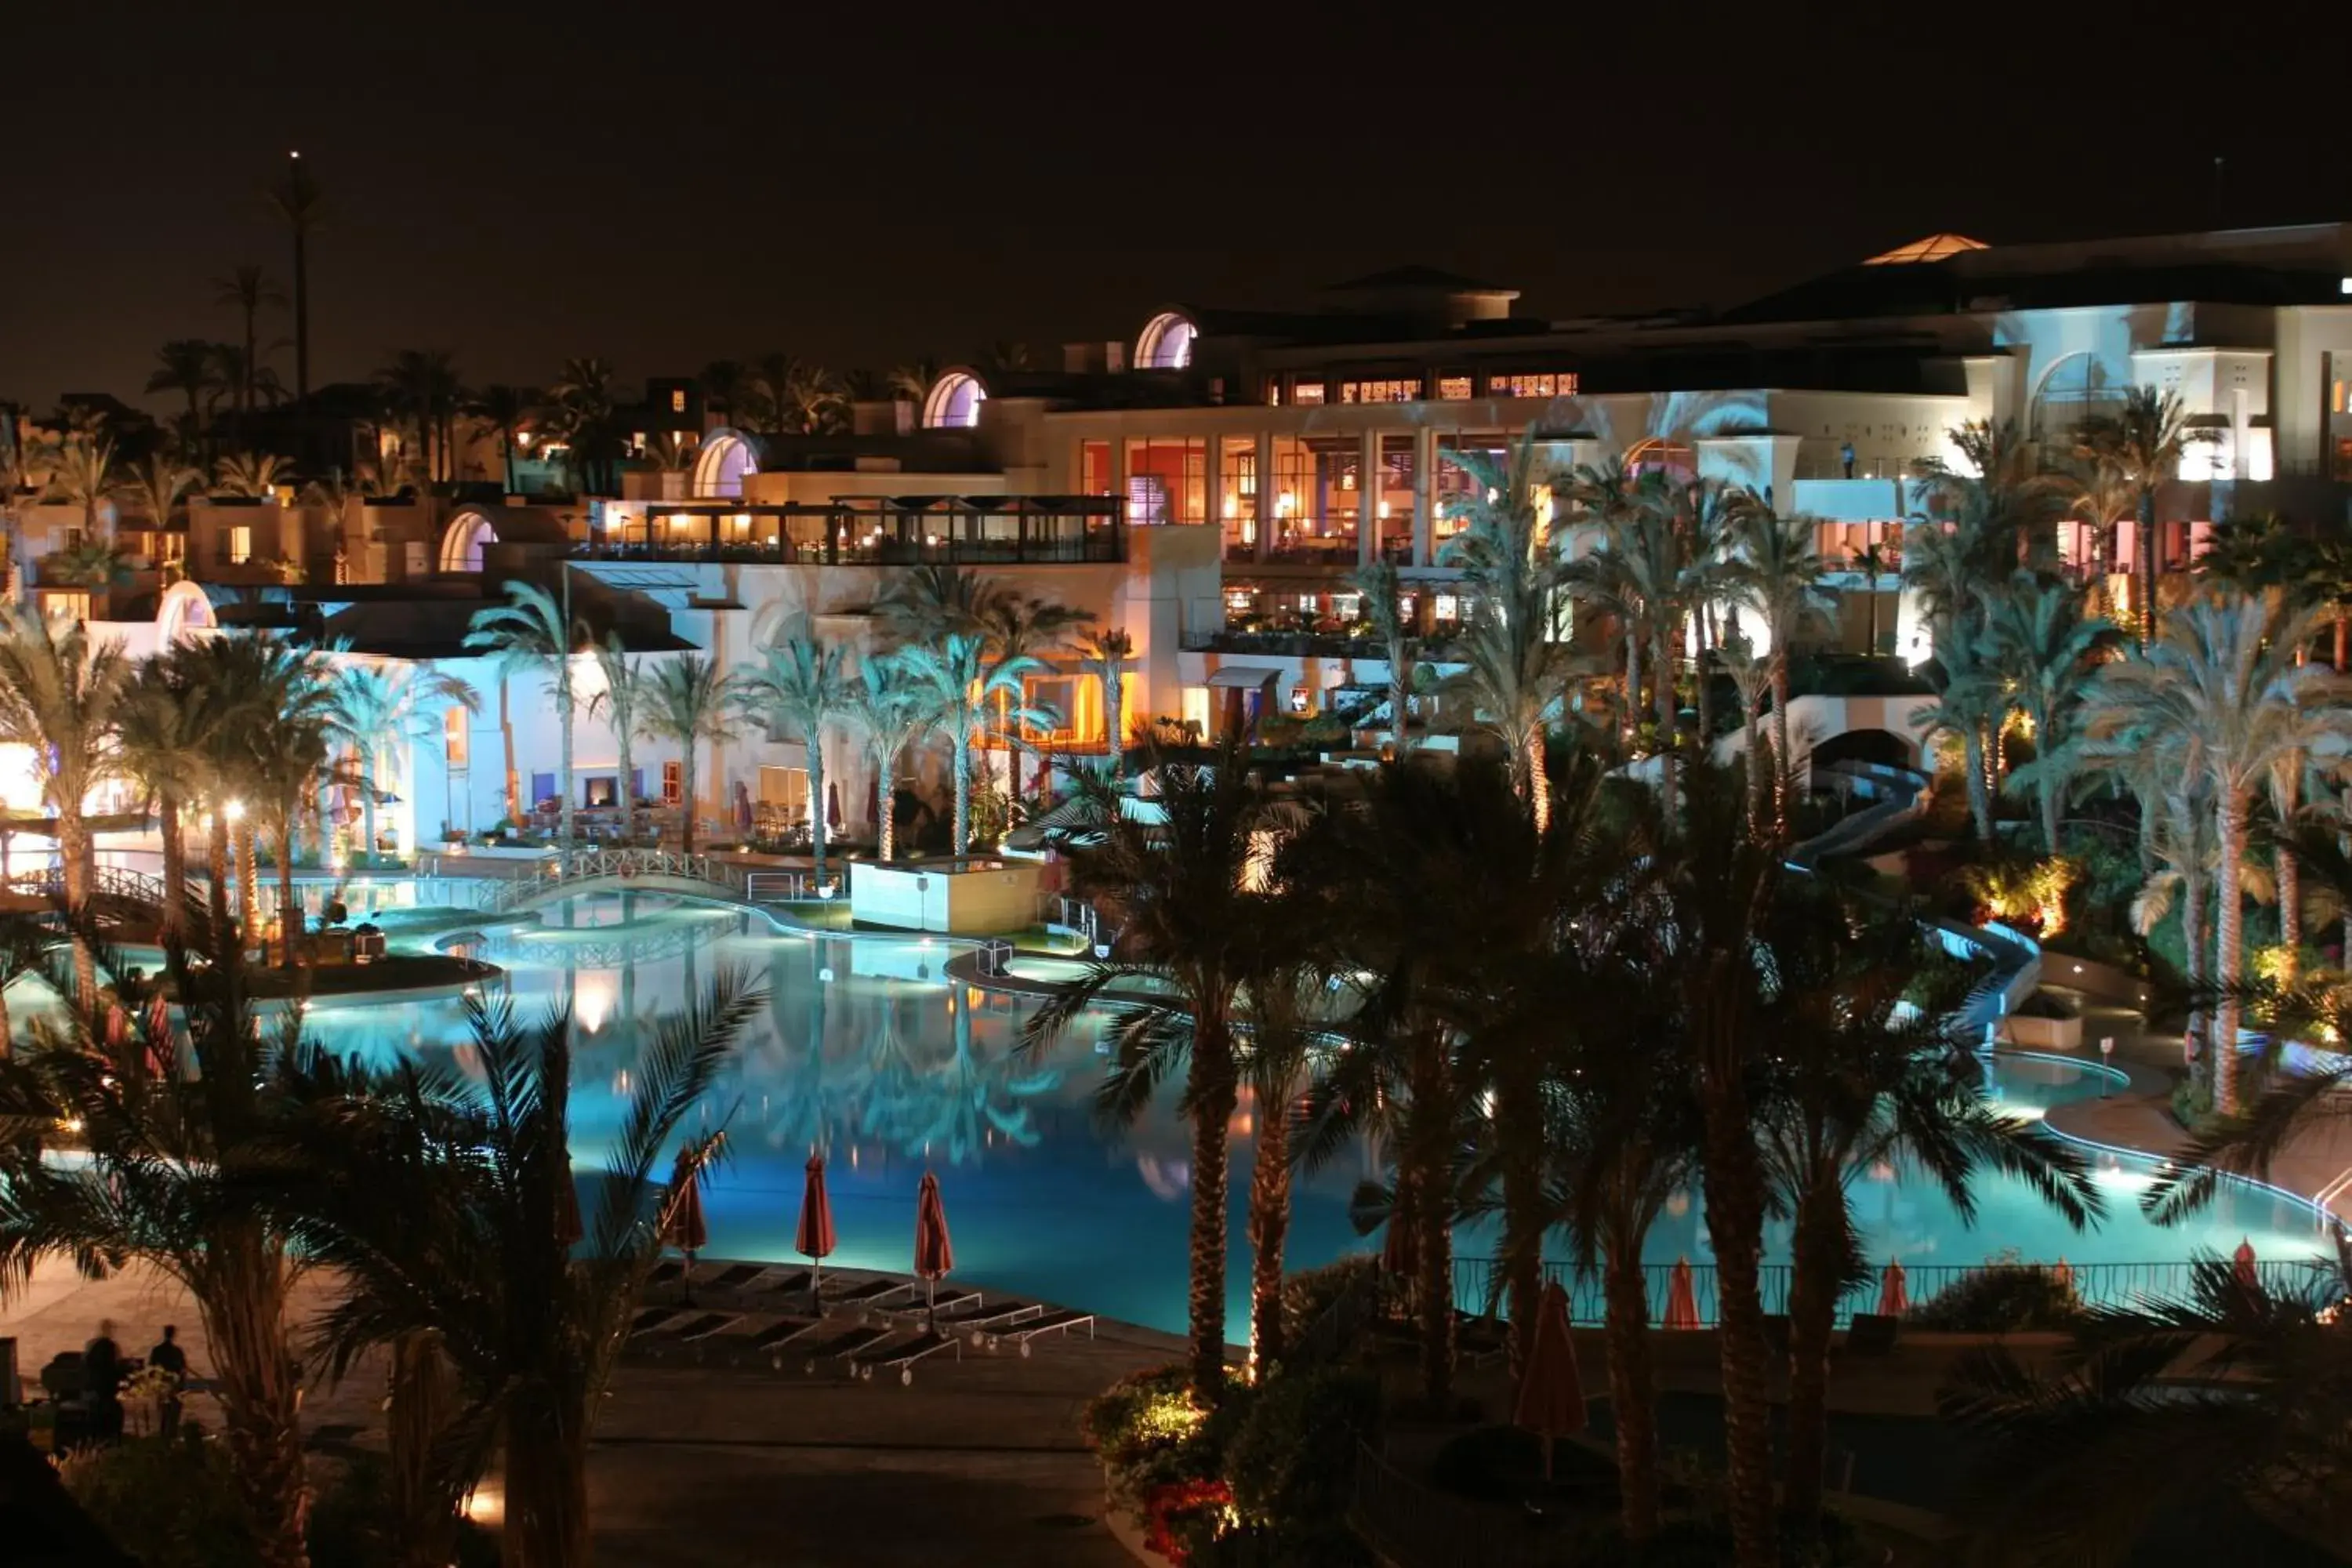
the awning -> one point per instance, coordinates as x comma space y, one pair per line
1243, 678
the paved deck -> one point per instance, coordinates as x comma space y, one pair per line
978, 1461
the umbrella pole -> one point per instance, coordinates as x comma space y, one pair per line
685, 1280
816, 1286
931, 1303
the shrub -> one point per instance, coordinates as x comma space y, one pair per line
1308, 1294
171, 1505
1292, 1460
2004, 1299
1149, 1433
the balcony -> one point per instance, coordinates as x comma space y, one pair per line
946, 530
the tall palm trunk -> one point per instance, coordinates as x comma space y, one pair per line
686, 786
1428, 1148
2230, 823
514, 781
1784, 763
1633, 680
367, 814
963, 824
563, 717
2046, 800
216, 873
1213, 1094
1734, 1224
173, 917
627, 790
2195, 972
243, 1308
1539, 779
816, 802
1633, 1392
1520, 1140
289, 910
886, 808
1704, 688
420, 1402
2144, 544
1665, 680
1114, 713
1752, 754
1972, 747
1818, 1252
1269, 1225
73, 855
546, 1484
249, 877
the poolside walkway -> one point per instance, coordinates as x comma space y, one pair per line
978, 1461
2140, 1116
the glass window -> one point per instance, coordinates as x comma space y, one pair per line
1533, 383
543, 788
1237, 508
1167, 481
1454, 388
454, 738
1094, 468
673, 783
240, 544
1307, 391
678, 400
1394, 390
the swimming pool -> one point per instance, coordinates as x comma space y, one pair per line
865, 1049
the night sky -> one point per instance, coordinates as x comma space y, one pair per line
664, 184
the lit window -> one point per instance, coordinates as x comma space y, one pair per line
1394, 390
678, 400
71, 606
240, 544
1307, 391
673, 783
1446, 607
1310, 603
1454, 388
1238, 600
454, 737
1541, 383
1299, 699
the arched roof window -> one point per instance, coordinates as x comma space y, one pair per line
954, 403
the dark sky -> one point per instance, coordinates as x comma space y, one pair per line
861, 183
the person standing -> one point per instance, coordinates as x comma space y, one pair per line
168, 1357
1845, 456
102, 1383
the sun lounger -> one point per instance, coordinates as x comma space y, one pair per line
780, 1283
868, 1293
847, 1342
904, 1356
651, 1318
667, 1271
685, 1329
979, 1319
943, 1305
770, 1342
1020, 1333
735, 1276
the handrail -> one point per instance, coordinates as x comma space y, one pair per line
723, 876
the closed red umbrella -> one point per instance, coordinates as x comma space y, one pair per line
1552, 1393
934, 1250
568, 1228
813, 1238
682, 1226
1893, 1291
2243, 1264
1682, 1296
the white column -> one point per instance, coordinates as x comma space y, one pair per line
1424, 492
1267, 491
1212, 489
1367, 507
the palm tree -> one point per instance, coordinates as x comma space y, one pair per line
531, 632
927, 603
912, 382
289, 752
25, 464
582, 414
1868, 1070
156, 487
502, 411
1281, 1022
1775, 573
250, 476
2138, 450
156, 727
814, 400
1383, 598
966, 684
2077, 1461
689, 700
776, 377
94, 564
726, 386
422, 386
893, 706
378, 711
60, 698
184, 365
1517, 661
1021, 626
1180, 885
249, 290
2222, 677
798, 688
1949, 567
171, 1128
300, 204
616, 703
2043, 648
82, 473
1108, 651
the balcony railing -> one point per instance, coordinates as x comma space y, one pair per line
950, 530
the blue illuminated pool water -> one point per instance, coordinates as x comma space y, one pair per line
865, 1049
